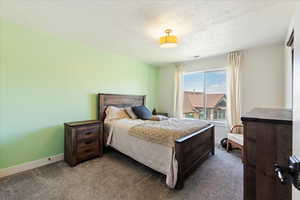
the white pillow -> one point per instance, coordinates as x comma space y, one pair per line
158, 118
130, 112
113, 112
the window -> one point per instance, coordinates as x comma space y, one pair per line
205, 95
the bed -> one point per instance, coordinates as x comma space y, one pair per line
176, 163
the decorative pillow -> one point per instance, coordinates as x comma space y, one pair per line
113, 112
130, 113
158, 118
142, 112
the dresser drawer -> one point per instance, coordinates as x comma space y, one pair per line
87, 132
249, 183
251, 130
250, 152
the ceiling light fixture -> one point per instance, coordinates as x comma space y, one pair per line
168, 41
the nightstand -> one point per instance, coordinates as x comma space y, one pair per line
162, 113
83, 141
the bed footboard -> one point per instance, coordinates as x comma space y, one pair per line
192, 150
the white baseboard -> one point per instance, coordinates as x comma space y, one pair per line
30, 165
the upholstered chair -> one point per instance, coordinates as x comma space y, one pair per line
235, 139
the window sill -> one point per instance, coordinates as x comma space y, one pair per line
217, 123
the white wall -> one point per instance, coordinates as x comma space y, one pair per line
262, 77
220, 132
288, 79
166, 83
209, 63
288, 71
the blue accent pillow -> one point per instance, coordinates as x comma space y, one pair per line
142, 112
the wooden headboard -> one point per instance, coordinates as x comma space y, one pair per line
118, 100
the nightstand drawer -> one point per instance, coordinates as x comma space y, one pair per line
87, 154
87, 144
87, 132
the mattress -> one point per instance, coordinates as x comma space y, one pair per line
156, 156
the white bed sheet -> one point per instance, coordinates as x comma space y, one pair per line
155, 156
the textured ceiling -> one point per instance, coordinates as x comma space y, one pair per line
133, 27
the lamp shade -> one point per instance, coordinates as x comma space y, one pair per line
168, 41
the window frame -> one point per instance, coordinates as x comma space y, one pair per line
215, 122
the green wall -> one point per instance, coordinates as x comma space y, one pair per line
46, 81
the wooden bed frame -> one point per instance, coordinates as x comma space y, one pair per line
190, 151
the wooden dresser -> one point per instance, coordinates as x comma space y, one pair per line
83, 141
267, 140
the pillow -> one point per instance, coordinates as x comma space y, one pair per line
130, 113
142, 112
158, 118
113, 112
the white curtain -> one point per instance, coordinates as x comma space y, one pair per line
233, 93
178, 93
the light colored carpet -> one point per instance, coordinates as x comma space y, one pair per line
115, 176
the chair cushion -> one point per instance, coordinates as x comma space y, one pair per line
237, 138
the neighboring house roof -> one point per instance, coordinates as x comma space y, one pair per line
194, 100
